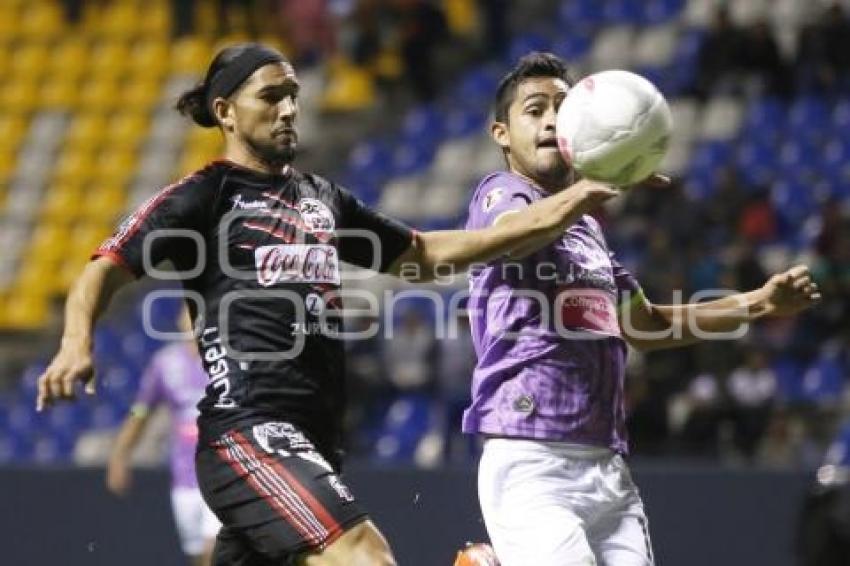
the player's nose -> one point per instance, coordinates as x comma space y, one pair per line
287, 108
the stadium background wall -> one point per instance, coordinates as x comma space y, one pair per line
708, 516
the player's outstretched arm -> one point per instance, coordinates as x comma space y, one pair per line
118, 476
89, 297
531, 228
654, 327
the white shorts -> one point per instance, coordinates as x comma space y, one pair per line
558, 504
196, 524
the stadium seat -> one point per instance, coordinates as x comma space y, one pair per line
108, 60
29, 61
612, 49
101, 95
59, 92
627, 12
524, 44
721, 118
20, 96
422, 125
400, 197
86, 131
655, 46
410, 157
580, 14
74, 166
661, 11
69, 57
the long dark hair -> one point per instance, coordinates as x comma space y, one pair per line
193, 102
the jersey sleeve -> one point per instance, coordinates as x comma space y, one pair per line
150, 392
628, 288
497, 194
179, 207
393, 237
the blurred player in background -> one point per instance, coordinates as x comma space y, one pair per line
176, 380
266, 294
550, 325
823, 532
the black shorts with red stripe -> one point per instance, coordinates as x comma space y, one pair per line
275, 494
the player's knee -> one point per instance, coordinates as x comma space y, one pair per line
361, 545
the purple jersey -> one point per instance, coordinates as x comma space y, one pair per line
551, 361
176, 379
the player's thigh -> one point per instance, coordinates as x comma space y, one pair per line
620, 535
361, 545
276, 499
528, 518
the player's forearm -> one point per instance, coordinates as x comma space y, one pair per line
127, 438
530, 228
671, 326
89, 298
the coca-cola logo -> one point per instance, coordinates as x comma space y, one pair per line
297, 263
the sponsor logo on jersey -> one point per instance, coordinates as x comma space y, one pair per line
316, 215
241, 204
297, 263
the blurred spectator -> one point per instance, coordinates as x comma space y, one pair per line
409, 354
763, 61
308, 29
823, 531
495, 18
454, 381
252, 13
702, 406
747, 270
719, 59
757, 221
823, 55
422, 27
752, 389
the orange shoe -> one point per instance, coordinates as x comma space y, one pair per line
476, 554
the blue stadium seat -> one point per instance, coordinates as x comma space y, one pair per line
22, 417
660, 11
405, 423
423, 125
756, 162
53, 449
523, 44
840, 119
808, 118
477, 87
573, 45
793, 201
462, 122
28, 384
106, 415
824, 379
789, 378
580, 14
369, 162
67, 418
409, 158
15, 448
623, 12
765, 118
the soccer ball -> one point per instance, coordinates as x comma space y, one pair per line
476, 554
614, 127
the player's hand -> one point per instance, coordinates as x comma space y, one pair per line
71, 365
118, 478
791, 291
592, 194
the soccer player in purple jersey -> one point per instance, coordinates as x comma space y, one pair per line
174, 379
257, 244
550, 325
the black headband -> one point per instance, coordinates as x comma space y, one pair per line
228, 78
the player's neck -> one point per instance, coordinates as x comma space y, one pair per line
244, 158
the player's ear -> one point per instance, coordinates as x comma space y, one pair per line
499, 131
224, 113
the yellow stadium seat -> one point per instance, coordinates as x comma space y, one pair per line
125, 131
30, 61
12, 131
8, 162
19, 97
26, 310
204, 140
42, 20
62, 204
115, 167
86, 238
106, 204
194, 160
68, 272
141, 94
109, 59
190, 55
461, 16
350, 88
59, 92
121, 20
49, 243
87, 130
99, 95
74, 166
69, 58
156, 22
149, 59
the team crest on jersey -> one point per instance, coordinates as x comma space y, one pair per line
492, 198
316, 215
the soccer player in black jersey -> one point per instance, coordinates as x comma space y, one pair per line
257, 246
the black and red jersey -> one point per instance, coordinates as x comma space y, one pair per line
260, 254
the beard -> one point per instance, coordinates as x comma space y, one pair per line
275, 153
